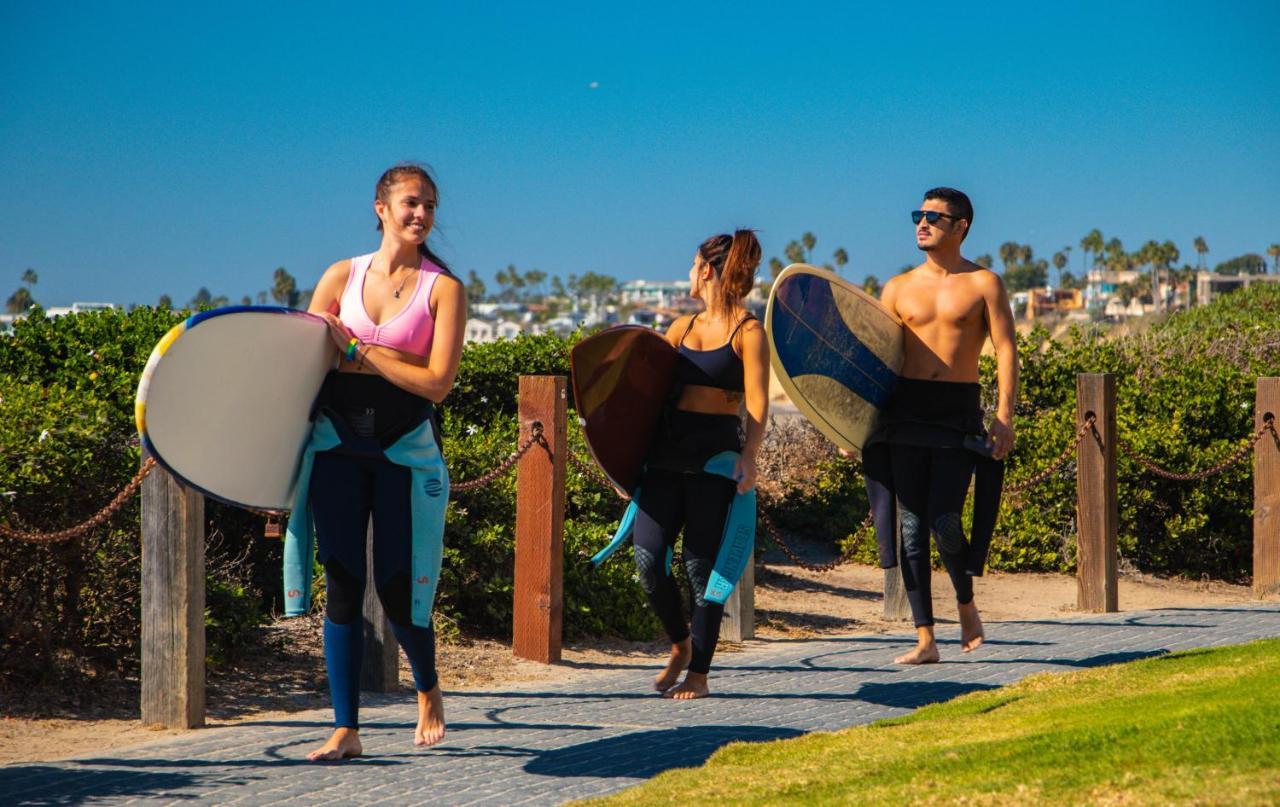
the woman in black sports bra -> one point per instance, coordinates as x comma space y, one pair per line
724, 363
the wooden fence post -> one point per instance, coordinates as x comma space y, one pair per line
380, 669
1097, 511
173, 667
1266, 492
539, 584
739, 620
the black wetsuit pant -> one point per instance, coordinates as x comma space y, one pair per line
698, 502
349, 488
931, 485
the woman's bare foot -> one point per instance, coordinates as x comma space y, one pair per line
923, 654
430, 728
694, 686
971, 634
681, 652
344, 743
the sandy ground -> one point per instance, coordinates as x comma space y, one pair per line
287, 672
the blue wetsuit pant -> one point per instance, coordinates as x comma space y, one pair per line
346, 490
931, 485
698, 502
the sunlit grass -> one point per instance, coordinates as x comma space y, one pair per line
1200, 727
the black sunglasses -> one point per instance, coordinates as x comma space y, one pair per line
931, 216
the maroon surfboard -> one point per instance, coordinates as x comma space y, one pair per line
621, 378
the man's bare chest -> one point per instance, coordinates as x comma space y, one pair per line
935, 306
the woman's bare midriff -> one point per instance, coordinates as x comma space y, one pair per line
345, 366
709, 400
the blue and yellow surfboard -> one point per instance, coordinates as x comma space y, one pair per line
836, 350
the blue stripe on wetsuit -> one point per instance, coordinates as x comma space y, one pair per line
737, 546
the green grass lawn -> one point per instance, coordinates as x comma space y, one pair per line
1197, 727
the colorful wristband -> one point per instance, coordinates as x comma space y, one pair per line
352, 347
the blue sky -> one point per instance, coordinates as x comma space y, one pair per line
146, 149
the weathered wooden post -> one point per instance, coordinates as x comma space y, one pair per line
173, 681
380, 670
739, 621
539, 584
1266, 491
1098, 513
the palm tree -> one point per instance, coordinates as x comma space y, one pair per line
1201, 249
1116, 259
795, 253
809, 242
775, 268
1091, 244
840, 257
30, 277
534, 279
1060, 263
284, 288
1274, 252
1008, 253
871, 285
984, 260
1025, 253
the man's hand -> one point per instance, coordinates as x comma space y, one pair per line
1001, 438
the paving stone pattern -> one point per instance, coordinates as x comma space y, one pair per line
604, 731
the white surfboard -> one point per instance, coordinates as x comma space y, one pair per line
225, 399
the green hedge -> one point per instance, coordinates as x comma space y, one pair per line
1186, 387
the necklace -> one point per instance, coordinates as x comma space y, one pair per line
400, 288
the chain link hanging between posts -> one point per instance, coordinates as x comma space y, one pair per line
272, 529
84, 527
507, 464
1269, 425
1016, 491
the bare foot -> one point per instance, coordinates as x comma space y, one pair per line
923, 654
681, 652
344, 743
694, 686
430, 728
971, 635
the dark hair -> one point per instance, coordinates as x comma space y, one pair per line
734, 259
959, 203
398, 173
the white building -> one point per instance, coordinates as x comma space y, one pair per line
78, 308
661, 293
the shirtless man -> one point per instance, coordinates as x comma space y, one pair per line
932, 440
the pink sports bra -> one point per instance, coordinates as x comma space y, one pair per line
409, 330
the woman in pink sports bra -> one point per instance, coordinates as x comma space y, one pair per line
397, 317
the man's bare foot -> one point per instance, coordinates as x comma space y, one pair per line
430, 728
694, 686
344, 743
971, 635
923, 654
681, 652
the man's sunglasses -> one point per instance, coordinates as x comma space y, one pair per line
931, 216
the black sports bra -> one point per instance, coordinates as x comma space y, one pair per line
719, 367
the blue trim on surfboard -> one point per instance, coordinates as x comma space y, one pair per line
145, 438
201, 316
839, 354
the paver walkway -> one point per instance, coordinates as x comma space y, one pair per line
602, 732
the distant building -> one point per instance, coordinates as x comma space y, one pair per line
1210, 284
78, 308
660, 293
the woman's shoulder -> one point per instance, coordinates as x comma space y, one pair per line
677, 327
